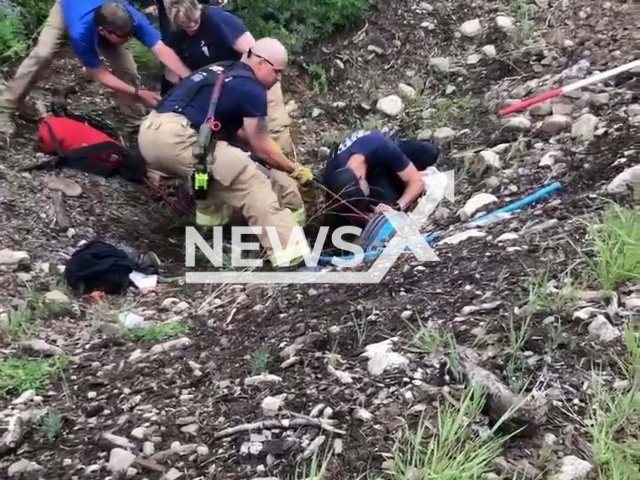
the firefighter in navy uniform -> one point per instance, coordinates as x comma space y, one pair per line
265, 197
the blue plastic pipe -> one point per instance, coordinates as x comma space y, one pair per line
524, 202
485, 219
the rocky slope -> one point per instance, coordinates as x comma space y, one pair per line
324, 368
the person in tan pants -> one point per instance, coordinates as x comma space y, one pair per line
202, 35
261, 193
95, 27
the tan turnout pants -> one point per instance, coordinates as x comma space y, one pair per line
32, 68
264, 197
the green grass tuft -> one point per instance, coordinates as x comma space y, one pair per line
260, 360
454, 451
154, 333
20, 375
616, 235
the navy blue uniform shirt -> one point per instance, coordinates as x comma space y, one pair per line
239, 98
383, 157
213, 41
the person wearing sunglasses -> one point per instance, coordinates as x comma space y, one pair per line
265, 196
205, 34
96, 28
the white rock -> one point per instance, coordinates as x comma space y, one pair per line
148, 448
462, 236
169, 303
139, 433
584, 129
25, 397
507, 237
131, 472
381, 358
92, 469
603, 330
474, 59
202, 451
118, 441
338, 446
501, 148
316, 112
181, 307
573, 468
518, 123
92, 395
407, 91
485, 307
190, 429
260, 379
64, 185
629, 179
541, 110
443, 134
179, 344
130, 320
23, 466
344, 377
136, 355
391, 105
633, 110
440, 64
632, 303
425, 135
549, 159
120, 460
406, 315
362, 414
489, 51
555, 124
506, 24
56, 296
271, 405
41, 346
375, 49
585, 313
562, 108
471, 28
173, 474
474, 204
490, 158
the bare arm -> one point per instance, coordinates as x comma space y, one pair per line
244, 43
256, 133
109, 80
170, 59
414, 185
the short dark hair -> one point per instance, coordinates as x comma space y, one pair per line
115, 17
421, 153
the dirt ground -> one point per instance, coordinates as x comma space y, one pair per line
105, 389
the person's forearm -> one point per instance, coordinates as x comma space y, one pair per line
411, 192
109, 80
171, 60
270, 152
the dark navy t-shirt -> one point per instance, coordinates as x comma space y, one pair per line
83, 32
383, 157
240, 98
212, 42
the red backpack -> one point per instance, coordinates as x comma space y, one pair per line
80, 146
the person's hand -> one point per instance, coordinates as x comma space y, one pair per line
302, 175
152, 11
148, 98
383, 207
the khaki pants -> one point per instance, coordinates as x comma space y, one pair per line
39, 59
278, 119
264, 197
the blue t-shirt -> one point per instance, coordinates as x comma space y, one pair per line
213, 41
83, 32
383, 157
240, 98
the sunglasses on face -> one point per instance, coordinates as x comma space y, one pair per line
277, 70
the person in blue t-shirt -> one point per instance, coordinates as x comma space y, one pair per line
95, 28
265, 197
369, 171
